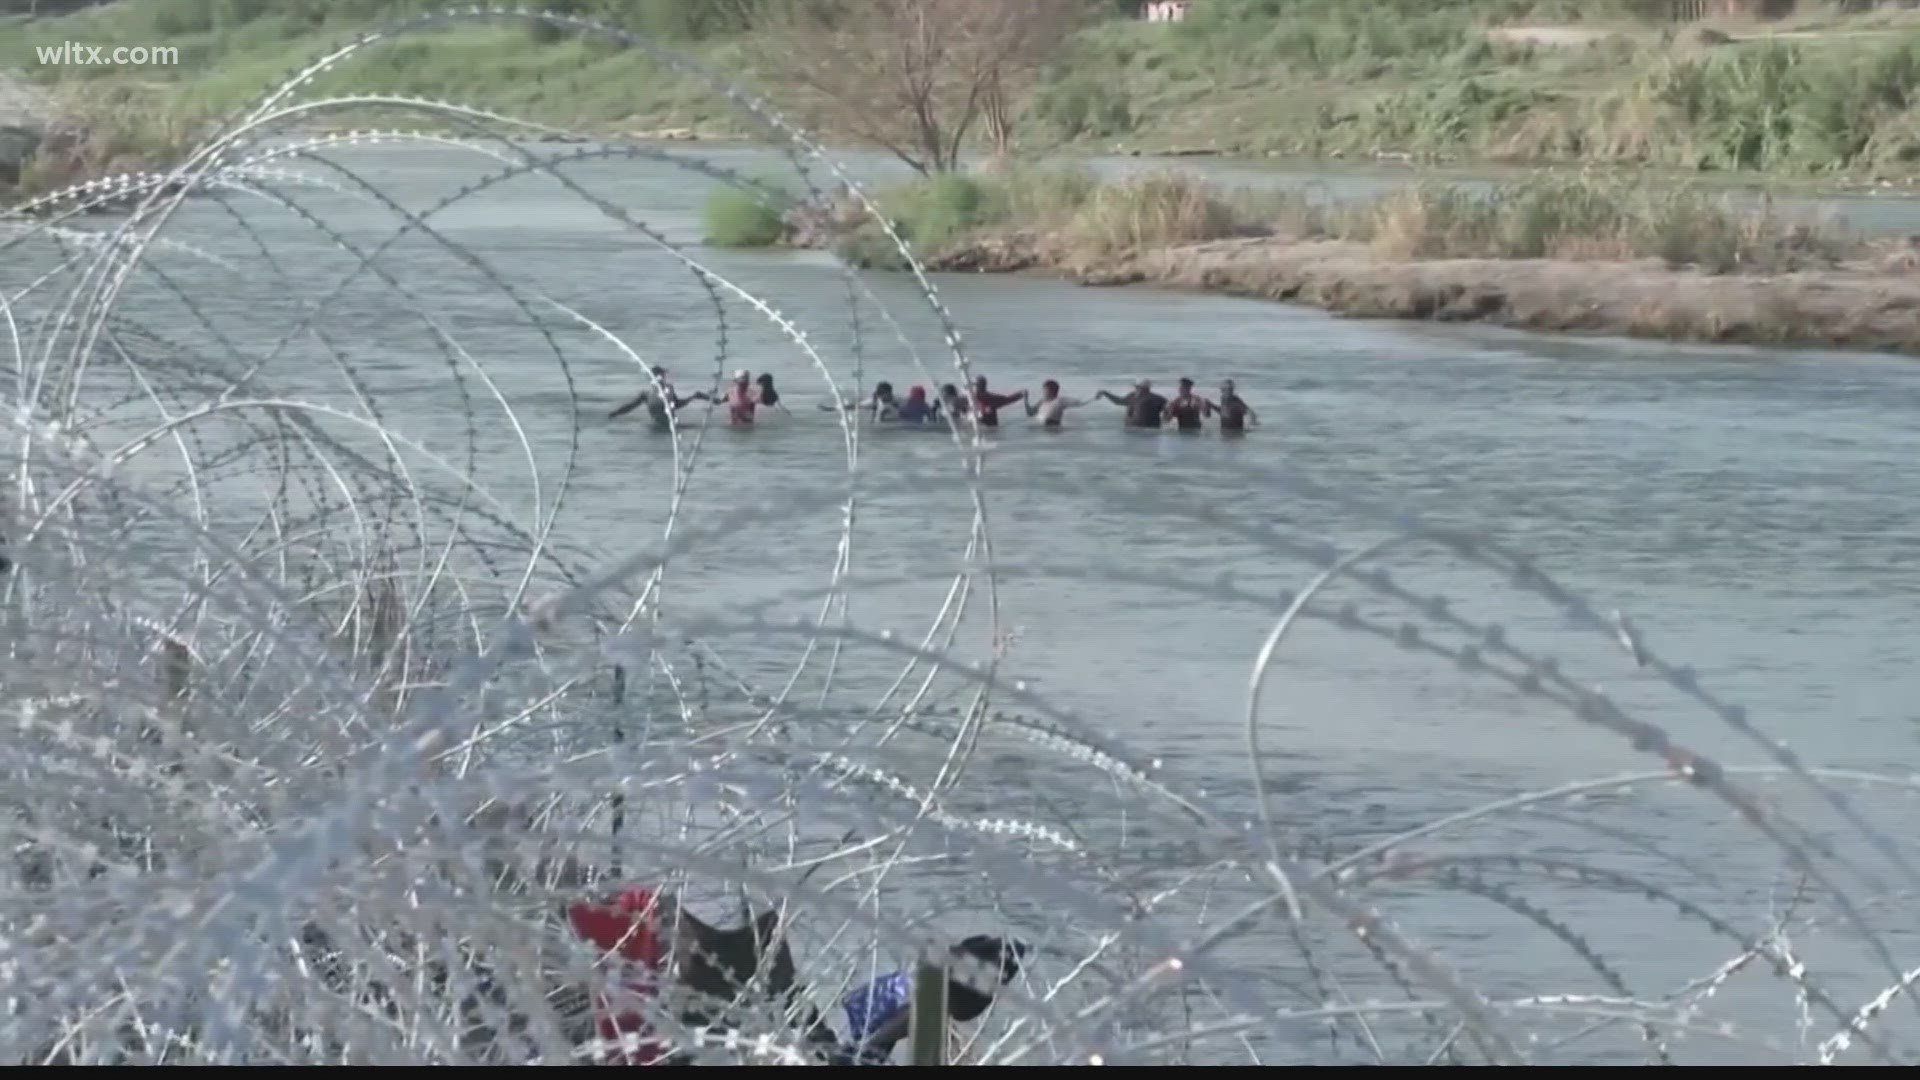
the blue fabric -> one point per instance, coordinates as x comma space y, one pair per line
871, 1007
914, 412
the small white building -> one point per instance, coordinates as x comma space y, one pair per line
1167, 10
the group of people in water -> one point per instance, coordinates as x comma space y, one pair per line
742, 398
1186, 410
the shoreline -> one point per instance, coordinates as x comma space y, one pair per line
1860, 306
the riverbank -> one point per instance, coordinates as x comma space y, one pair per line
1415, 81
52, 140
1859, 306
1552, 254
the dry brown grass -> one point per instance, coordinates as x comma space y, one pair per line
1151, 211
1594, 220
105, 129
1558, 254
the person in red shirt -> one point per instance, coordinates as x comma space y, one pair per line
987, 404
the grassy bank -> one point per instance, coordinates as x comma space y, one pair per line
102, 130
1566, 254
231, 51
1466, 81
1083, 222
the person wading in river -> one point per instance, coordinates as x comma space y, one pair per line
917, 409
764, 393
660, 399
1051, 407
1234, 410
740, 399
1142, 404
987, 404
1188, 409
952, 402
882, 406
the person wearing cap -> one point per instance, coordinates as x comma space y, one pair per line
1234, 410
740, 398
1187, 409
660, 399
1051, 407
1142, 404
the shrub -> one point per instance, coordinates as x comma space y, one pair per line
739, 218
1584, 218
1151, 210
1083, 105
106, 129
1039, 196
937, 210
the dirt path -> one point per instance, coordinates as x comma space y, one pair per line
1571, 37
1556, 37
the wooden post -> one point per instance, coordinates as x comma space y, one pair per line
927, 1029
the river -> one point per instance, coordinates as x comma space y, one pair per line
1873, 212
1753, 511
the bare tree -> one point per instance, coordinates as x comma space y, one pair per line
912, 76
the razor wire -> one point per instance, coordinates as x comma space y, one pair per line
325, 709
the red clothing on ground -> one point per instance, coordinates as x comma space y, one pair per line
629, 928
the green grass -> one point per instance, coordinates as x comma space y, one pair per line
232, 51
1320, 78
1586, 219
739, 218
1306, 78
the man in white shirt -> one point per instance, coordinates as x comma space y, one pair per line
1051, 407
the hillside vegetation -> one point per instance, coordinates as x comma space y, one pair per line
1466, 81
1441, 80
231, 51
